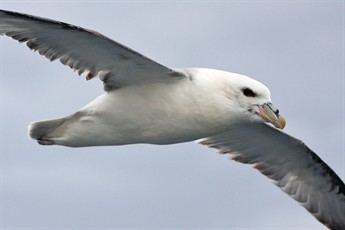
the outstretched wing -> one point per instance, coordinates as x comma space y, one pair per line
87, 52
295, 168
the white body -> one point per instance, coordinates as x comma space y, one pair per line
156, 113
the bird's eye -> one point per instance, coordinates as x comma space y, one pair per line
248, 92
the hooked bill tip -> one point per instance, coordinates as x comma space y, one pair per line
280, 122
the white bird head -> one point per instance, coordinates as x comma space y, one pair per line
254, 99
246, 98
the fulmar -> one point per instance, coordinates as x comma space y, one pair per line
146, 102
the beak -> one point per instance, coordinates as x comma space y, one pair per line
270, 114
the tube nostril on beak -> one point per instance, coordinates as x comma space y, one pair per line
277, 112
270, 114
274, 110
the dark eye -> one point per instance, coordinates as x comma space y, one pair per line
248, 92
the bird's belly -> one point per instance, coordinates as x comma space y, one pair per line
128, 123
144, 115
115, 128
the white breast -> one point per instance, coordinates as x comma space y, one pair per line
155, 113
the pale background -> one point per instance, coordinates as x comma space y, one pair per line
295, 47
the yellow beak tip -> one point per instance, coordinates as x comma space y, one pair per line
280, 123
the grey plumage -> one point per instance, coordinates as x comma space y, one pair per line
85, 51
292, 166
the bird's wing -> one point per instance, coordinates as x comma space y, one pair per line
295, 168
87, 52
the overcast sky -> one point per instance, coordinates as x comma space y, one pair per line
295, 47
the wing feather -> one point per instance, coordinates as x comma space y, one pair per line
85, 51
292, 166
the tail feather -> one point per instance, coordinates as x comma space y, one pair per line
40, 130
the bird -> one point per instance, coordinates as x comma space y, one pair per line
147, 102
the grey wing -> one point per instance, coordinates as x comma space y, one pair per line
87, 52
295, 168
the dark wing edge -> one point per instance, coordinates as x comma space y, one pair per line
87, 52
293, 167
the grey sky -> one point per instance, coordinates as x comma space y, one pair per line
295, 48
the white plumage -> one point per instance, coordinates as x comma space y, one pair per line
146, 102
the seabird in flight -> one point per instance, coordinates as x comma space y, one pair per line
146, 102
